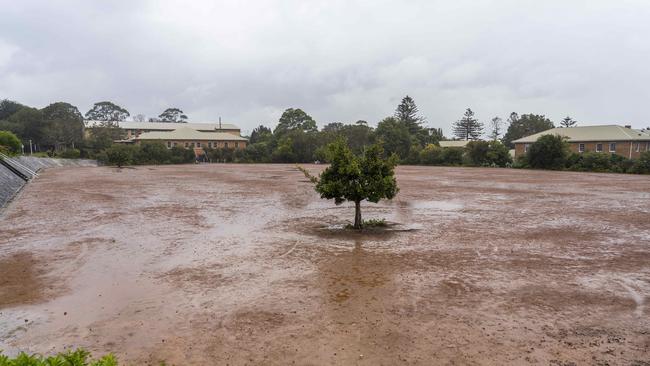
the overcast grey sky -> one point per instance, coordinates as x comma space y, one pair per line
340, 61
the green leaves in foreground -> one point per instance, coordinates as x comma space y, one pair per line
79, 357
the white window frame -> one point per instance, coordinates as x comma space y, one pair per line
599, 147
169, 144
581, 147
526, 146
225, 145
610, 147
187, 144
198, 144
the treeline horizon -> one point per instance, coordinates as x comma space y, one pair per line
60, 125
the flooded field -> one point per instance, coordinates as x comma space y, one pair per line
245, 264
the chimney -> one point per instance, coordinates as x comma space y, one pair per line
628, 126
219, 122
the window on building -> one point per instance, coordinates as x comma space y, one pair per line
225, 144
187, 144
638, 147
193, 144
581, 147
526, 146
236, 144
169, 144
647, 146
210, 144
612, 147
198, 144
599, 147
175, 144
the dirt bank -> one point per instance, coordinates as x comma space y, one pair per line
243, 264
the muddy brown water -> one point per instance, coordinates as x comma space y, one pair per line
243, 264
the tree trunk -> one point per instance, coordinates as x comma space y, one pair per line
358, 223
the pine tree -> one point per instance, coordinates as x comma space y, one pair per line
468, 127
568, 122
407, 113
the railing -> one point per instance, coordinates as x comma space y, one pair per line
11, 164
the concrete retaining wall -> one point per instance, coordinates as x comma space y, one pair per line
11, 183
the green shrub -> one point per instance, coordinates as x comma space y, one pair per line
498, 154
180, 155
151, 153
591, 162
79, 357
548, 152
620, 164
413, 156
120, 155
452, 156
641, 165
431, 155
9, 143
477, 152
69, 154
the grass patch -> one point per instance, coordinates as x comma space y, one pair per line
369, 224
79, 357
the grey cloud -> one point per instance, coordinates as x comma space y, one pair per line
339, 60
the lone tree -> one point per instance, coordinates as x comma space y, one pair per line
354, 178
468, 127
568, 122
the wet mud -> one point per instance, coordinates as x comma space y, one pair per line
245, 264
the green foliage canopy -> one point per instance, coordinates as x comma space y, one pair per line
9, 143
295, 119
107, 111
526, 125
173, 115
548, 152
354, 178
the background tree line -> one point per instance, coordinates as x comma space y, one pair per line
58, 129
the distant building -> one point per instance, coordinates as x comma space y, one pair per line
613, 139
195, 136
453, 143
134, 129
187, 137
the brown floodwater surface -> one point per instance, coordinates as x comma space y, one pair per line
245, 264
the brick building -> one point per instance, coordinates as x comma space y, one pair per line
190, 138
612, 139
134, 129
